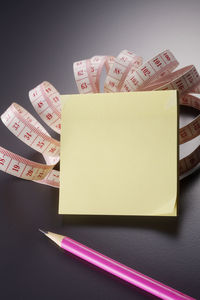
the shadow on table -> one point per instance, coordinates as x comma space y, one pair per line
170, 225
167, 224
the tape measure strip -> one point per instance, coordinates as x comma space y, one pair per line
184, 80
87, 73
46, 101
16, 165
151, 71
189, 162
117, 74
23, 125
31, 132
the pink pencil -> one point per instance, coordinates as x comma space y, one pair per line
142, 281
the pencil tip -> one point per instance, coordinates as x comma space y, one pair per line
45, 232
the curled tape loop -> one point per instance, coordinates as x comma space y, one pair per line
46, 101
152, 71
125, 73
125, 64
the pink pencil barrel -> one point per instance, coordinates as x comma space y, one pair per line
142, 281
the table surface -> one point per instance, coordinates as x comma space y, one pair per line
39, 41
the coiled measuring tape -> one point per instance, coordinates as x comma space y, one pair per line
125, 73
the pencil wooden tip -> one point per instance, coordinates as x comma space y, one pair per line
45, 232
57, 238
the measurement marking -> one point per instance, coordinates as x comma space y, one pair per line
34, 141
21, 130
43, 111
82, 78
8, 164
23, 171
46, 147
11, 121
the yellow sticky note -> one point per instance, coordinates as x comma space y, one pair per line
119, 154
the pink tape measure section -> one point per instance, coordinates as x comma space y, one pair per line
125, 73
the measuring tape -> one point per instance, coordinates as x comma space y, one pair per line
46, 101
125, 73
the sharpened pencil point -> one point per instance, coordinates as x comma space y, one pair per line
45, 232
57, 238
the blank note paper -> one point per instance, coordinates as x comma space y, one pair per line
119, 154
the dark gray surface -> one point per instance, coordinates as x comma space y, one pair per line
39, 41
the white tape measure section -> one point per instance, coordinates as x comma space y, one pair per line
46, 101
52, 179
109, 63
87, 73
192, 129
189, 163
154, 69
24, 126
184, 80
96, 64
125, 61
16, 165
